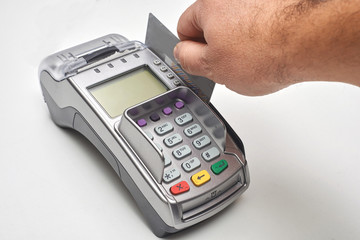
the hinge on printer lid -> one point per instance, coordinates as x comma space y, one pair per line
69, 62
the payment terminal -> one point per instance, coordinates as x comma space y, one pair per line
154, 124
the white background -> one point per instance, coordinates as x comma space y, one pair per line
302, 143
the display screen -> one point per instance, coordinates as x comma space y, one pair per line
127, 90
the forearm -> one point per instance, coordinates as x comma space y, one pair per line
321, 41
256, 47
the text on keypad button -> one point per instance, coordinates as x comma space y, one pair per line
192, 130
182, 152
191, 164
201, 142
171, 175
183, 119
210, 154
164, 128
173, 140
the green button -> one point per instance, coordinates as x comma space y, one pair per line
220, 166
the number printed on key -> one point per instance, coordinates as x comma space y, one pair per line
183, 119
192, 130
191, 164
182, 152
201, 142
173, 140
164, 128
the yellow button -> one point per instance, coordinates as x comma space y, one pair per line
200, 178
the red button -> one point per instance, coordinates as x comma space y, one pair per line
181, 187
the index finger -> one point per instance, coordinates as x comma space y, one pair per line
189, 27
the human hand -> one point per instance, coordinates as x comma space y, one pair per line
259, 47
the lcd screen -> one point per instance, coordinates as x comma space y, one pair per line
127, 90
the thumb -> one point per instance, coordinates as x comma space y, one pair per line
191, 56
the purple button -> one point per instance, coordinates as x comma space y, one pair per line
155, 117
167, 111
141, 122
179, 105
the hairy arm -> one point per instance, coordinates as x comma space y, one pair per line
256, 47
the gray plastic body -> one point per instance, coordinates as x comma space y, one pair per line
71, 105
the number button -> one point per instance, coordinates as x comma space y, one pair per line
191, 164
183, 119
192, 130
164, 128
201, 142
210, 154
182, 152
171, 175
173, 140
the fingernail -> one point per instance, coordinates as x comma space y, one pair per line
176, 53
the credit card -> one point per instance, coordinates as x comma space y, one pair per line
162, 42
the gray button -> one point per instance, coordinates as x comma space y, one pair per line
157, 62
182, 152
170, 76
192, 130
173, 140
171, 175
210, 154
164, 128
191, 164
177, 82
183, 119
163, 68
201, 142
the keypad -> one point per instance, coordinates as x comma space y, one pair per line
186, 146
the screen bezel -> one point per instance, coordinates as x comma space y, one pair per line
117, 78
94, 75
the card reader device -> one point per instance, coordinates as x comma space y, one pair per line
177, 155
